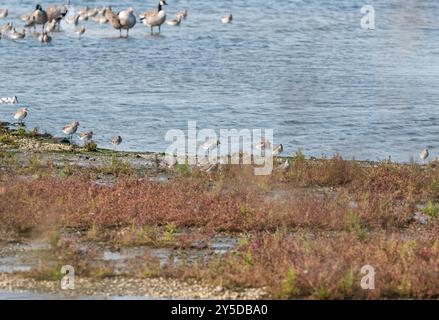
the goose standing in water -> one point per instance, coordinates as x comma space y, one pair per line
154, 18
114, 19
3, 13
127, 19
39, 16
56, 13
227, 19
70, 129
20, 114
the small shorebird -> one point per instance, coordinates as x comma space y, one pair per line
210, 145
20, 114
3, 13
80, 32
154, 18
227, 19
117, 140
86, 136
285, 166
174, 22
39, 16
424, 154
44, 38
263, 144
70, 129
278, 150
17, 35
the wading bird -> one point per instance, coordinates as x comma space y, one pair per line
20, 114
117, 140
154, 18
70, 129
86, 136
39, 16
127, 19
278, 150
424, 154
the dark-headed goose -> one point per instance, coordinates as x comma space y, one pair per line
154, 18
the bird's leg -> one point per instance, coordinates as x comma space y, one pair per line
152, 30
159, 29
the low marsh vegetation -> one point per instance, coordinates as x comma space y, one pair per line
304, 232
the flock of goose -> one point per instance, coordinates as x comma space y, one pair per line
50, 20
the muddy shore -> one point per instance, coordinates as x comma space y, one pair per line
134, 226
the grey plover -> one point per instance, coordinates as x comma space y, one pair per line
70, 129
20, 114
86, 136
